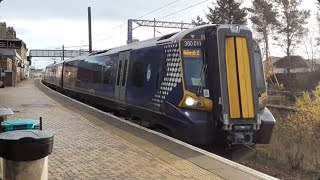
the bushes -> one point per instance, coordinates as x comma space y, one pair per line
296, 140
306, 121
299, 81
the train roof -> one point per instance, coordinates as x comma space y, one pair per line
53, 65
165, 39
168, 38
141, 44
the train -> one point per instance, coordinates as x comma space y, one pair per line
202, 85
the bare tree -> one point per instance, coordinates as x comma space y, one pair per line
318, 21
310, 47
264, 21
291, 28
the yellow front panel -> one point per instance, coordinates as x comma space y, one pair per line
233, 89
244, 74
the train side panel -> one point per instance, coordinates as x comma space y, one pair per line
94, 76
143, 75
53, 74
69, 74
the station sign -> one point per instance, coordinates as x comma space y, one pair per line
10, 44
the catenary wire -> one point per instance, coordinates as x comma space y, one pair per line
182, 9
166, 5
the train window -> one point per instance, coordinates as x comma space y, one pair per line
124, 72
138, 74
84, 74
89, 72
106, 69
113, 63
119, 72
259, 71
107, 75
96, 75
194, 76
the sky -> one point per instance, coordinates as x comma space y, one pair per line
45, 24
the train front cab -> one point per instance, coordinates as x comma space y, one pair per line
244, 114
228, 98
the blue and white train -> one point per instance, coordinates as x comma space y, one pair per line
201, 85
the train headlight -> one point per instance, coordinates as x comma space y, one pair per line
190, 101
193, 101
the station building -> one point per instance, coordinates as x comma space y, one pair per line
14, 62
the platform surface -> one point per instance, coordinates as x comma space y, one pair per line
83, 150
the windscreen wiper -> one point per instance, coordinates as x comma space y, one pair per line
203, 70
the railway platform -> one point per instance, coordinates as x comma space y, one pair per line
91, 144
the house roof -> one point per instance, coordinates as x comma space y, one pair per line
293, 62
273, 59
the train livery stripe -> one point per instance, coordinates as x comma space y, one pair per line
239, 78
233, 89
244, 75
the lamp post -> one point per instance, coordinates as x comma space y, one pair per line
89, 29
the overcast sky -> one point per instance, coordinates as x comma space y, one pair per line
45, 24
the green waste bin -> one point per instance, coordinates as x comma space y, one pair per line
20, 124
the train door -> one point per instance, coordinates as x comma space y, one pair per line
122, 73
239, 97
239, 78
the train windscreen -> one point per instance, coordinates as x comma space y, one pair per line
259, 69
194, 69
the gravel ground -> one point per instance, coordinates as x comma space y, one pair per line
279, 171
